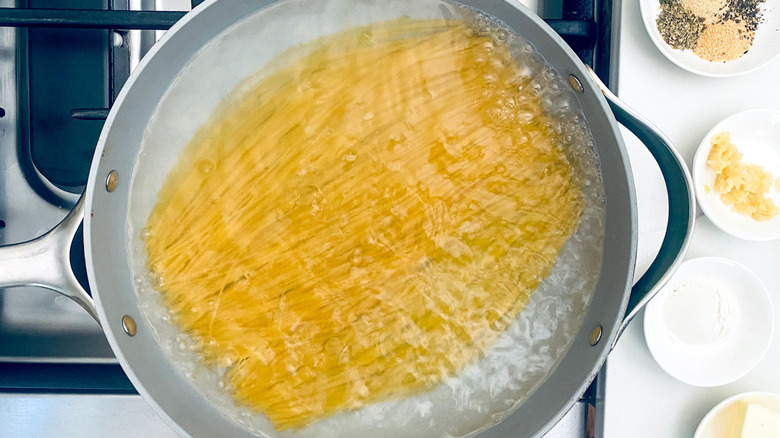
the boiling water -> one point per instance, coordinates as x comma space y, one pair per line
484, 391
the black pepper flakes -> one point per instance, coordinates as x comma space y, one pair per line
747, 11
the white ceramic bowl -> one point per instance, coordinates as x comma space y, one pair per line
756, 134
718, 421
766, 45
729, 358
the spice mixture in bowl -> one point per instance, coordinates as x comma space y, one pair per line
714, 37
716, 30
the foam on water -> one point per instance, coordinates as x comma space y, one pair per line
485, 391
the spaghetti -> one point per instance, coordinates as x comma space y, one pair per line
365, 221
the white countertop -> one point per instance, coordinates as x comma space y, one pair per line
641, 399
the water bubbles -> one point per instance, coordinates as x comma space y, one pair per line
366, 37
350, 156
498, 114
502, 35
510, 102
157, 282
205, 167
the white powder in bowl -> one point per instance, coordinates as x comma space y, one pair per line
700, 311
709, 10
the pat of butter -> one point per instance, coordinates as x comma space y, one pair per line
757, 422
760, 422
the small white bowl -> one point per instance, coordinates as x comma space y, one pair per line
766, 45
730, 358
719, 420
756, 134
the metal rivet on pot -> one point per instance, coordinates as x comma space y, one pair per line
575, 83
112, 180
117, 40
128, 325
595, 335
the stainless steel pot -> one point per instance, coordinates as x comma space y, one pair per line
104, 210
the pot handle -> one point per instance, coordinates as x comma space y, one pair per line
682, 204
45, 262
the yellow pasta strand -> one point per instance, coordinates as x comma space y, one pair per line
363, 222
